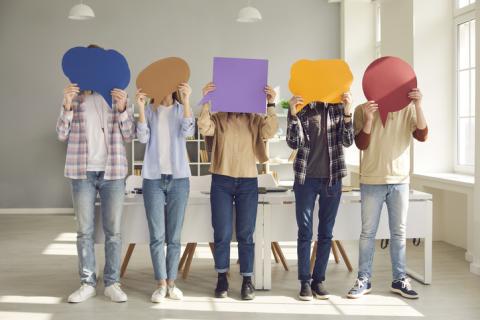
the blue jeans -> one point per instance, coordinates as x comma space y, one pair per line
84, 194
329, 199
224, 192
396, 196
165, 203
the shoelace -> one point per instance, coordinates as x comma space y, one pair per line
359, 283
406, 284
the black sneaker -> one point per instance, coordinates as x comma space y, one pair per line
248, 290
404, 288
305, 291
221, 291
362, 286
319, 291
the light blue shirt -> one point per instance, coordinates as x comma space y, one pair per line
180, 128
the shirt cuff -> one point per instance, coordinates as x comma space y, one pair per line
421, 134
67, 115
142, 126
123, 115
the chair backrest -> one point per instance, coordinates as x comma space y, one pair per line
266, 181
200, 183
133, 182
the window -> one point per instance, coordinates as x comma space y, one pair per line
465, 90
464, 3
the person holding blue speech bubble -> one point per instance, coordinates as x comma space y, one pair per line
95, 132
164, 126
238, 142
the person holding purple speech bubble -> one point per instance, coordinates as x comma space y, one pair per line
96, 163
238, 142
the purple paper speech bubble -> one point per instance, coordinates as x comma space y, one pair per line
240, 85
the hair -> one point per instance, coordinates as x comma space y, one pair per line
175, 97
90, 46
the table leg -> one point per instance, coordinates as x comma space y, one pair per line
267, 243
259, 250
130, 249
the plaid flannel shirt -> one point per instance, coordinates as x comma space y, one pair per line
71, 128
339, 135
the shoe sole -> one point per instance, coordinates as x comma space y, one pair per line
305, 298
356, 296
80, 301
400, 292
221, 295
320, 297
248, 298
158, 301
116, 301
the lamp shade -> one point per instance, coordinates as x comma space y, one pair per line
249, 14
81, 12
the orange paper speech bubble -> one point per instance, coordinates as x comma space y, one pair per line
162, 78
320, 80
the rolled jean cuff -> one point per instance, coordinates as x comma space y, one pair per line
221, 270
305, 277
93, 284
110, 282
246, 274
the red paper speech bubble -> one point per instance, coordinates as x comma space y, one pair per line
387, 81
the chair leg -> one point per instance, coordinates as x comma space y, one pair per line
212, 247
275, 254
280, 255
344, 256
188, 263
130, 249
184, 257
335, 251
313, 256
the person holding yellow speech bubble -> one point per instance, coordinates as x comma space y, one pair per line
319, 132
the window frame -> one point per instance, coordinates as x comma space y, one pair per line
461, 16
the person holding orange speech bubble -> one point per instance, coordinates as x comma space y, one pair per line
319, 132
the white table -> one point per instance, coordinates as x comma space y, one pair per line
197, 226
280, 225
276, 222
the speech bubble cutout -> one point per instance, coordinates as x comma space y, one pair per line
387, 81
96, 69
240, 85
320, 80
162, 78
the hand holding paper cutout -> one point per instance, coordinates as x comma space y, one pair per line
163, 77
69, 93
388, 81
320, 80
96, 69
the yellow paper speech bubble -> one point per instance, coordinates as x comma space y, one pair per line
320, 80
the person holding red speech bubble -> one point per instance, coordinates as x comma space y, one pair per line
319, 132
384, 177
96, 162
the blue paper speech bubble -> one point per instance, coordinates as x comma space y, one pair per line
96, 69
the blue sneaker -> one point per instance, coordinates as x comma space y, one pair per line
362, 286
404, 288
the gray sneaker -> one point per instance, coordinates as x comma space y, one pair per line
319, 291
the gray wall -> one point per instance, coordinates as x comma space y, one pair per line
35, 34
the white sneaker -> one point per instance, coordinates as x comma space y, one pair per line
159, 294
83, 293
175, 293
115, 293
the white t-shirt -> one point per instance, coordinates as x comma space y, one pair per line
163, 115
96, 112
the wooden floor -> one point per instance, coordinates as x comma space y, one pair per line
38, 270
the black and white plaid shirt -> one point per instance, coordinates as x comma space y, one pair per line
339, 135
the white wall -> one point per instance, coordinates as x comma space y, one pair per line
35, 34
358, 50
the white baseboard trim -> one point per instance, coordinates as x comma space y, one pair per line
468, 256
475, 268
36, 211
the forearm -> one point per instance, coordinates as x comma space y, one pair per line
187, 110
63, 123
270, 124
206, 126
421, 121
